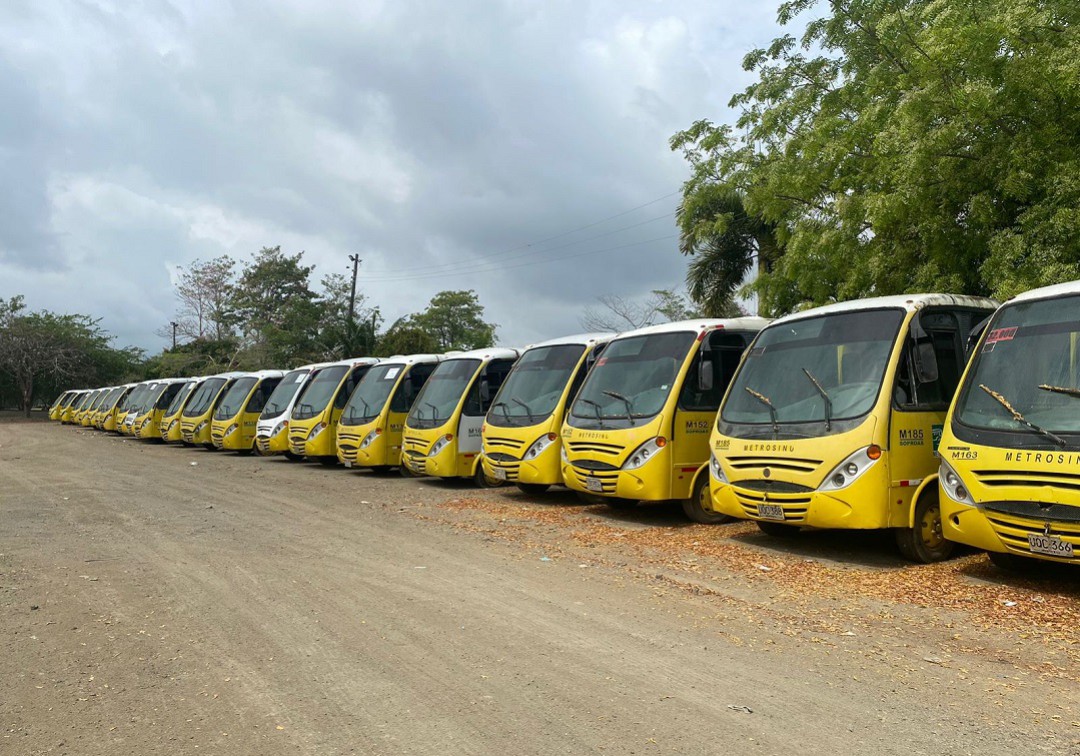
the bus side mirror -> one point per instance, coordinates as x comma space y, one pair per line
926, 367
485, 391
705, 376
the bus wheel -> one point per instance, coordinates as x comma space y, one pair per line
777, 529
924, 542
406, 472
534, 489
482, 480
695, 509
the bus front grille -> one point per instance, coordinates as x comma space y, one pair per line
791, 464
592, 447
793, 506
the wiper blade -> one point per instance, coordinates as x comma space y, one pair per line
1074, 393
596, 409
824, 395
505, 409
629, 404
1020, 418
528, 411
434, 412
768, 403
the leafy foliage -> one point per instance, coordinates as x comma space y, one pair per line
455, 320
904, 145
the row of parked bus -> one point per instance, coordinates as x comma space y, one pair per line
946, 419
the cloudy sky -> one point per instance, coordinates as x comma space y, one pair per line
514, 147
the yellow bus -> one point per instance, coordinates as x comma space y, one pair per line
442, 430
1011, 443
86, 414
372, 422
520, 436
58, 405
106, 419
147, 422
272, 429
67, 412
314, 418
197, 414
169, 427
833, 418
639, 428
233, 426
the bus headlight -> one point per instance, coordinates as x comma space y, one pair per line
200, 426
439, 445
563, 456
230, 429
644, 453
173, 425
716, 472
316, 431
851, 469
279, 427
539, 445
369, 439
953, 486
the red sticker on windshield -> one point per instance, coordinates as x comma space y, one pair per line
601, 361
1001, 334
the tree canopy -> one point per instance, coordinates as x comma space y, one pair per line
902, 145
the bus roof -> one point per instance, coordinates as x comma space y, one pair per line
411, 359
351, 362
906, 302
582, 339
493, 353
699, 325
1048, 292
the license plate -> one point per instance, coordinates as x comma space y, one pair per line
500, 474
1049, 545
348, 463
770, 511
594, 484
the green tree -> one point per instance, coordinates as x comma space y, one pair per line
338, 337
276, 310
455, 319
406, 337
904, 145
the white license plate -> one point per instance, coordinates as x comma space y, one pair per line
770, 511
1049, 545
594, 484
500, 473
348, 463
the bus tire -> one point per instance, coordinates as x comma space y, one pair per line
210, 447
694, 507
777, 529
482, 480
924, 542
534, 489
328, 461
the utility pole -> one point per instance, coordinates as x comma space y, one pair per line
355, 260
174, 325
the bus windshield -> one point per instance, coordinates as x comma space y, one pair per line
632, 381
282, 395
442, 393
178, 400
319, 392
369, 398
132, 400
818, 370
1029, 359
204, 397
234, 398
535, 386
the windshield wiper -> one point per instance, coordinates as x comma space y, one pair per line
505, 409
629, 404
596, 409
528, 411
434, 413
1074, 393
768, 403
824, 395
1020, 418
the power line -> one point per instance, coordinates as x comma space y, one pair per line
529, 245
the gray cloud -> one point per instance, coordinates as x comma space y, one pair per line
434, 139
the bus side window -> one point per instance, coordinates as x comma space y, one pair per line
582, 374
410, 387
941, 330
262, 393
350, 383
723, 350
495, 373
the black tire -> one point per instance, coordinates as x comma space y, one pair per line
482, 480
209, 447
406, 472
777, 529
924, 543
328, 461
533, 489
694, 507
294, 457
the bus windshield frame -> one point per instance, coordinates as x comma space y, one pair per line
319, 391
283, 394
535, 386
371, 395
238, 393
204, 397
440, 397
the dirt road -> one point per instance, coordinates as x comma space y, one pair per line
166, 600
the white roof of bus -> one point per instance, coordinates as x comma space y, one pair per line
907, 302
351, 362
1048, 292
411, 359
262, 375
309, 368
494, 353
701, 324
583, 339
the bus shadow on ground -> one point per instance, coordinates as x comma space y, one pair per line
1034, 575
